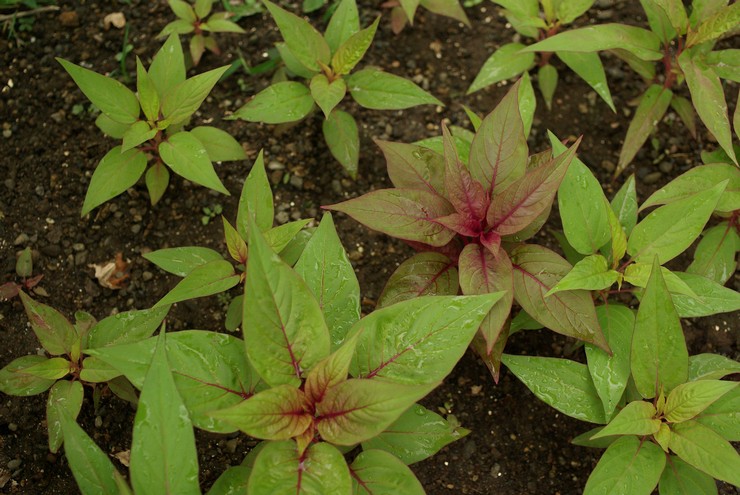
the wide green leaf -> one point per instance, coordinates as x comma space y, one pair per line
636, 418
572, 313
420, 340
588, 66
653, 105
255, 200
112, 98
711, 366
343, 138
233, 481
330, 277
560, 383
343, 23
411, 166
327, 94
182, 260
376, 472
67, 396
722, 22
163, 455
204, 280
629, 465
126, 327
670, 229
715, 254
680, 478
14, 380
624, 205
95, 370
157, 178
424, 274
284, 329
52, 369
139, 132
723, 416
286, 101
638, 41
353, 49
54, 331
591, 273
280, 469
279, 237
505, 63
713, 298
185, 98
708, 97
659, 360
547, 80
418, 434
307, 44
187, 157
705, 450
377, 90
220, 145
689, 399
115, 173
168, 66
726, 64
638, 274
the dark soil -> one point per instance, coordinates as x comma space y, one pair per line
518, 445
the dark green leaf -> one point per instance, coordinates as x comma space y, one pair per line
343, 138
14, 380
54, 331
588, 66
67, 396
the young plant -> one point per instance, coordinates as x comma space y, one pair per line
24, 270
197, 19
167, 100
327, 62
287, 381
469, 221
681, 44
674, 418
206, 272
64, 369
403, 11
529, 21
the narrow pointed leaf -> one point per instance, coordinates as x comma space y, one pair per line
465, 193
187, 157
286, 101
147, 92
638, 274
628, 466
54, 331
685, 110
711, 366
182, 260
52, 369
343, 139
680, 478
505, 63
527, 103
220, 145
413, 167
715, 254
185, 98
279, 237
307, 44
720, 23
376, 472
14, 380
353, 49
377, 90
624, 205
424, 274
588, 66
713, 298
138, 133
636, 418
591, 273
115, 173
157, 178
67, 396
168, 66
255, 199
689, 399
706, 450
638, 41
343, 23
547, 80
205, 280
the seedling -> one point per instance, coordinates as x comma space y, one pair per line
24, 270
168, 101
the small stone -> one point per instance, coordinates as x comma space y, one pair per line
14, 464
275, 165
583, 108
652, 178
608, 165
98, 421
7, 133
78, 246
296, 182
136, 228
80, 258
21, 239
231, 445
39, 190
9, 183
147, 276
282, 217
69, 19
58, 117
666, 167
52, 250
12, 427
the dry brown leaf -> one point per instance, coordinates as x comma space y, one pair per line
112, 274
116, 19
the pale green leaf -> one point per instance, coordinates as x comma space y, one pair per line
187, 157
377, 90
505, 63
286, 101
115, 173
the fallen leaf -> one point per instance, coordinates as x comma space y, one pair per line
123, 457
112, 274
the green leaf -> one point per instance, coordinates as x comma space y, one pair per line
67, 396
547, 79
403, 213
91, 467
706, 451
713, 299
220, 26
279, 237
420, 340
95, 370
278, 413
670, 229
176, 27
698, 179
331, 279
187, 157
724, 416
183, 10
588, 66
418, 434
523, 16
205, 280
424, 274
653, 105
110, 96
638, 274
286, 101
233, 481
711, 367
279, 469
527, 103
236, 246
636, 418
147, 93
54, 331
659, 359
157, 178
610, 373
714, 257
679, 478
138, 133
307, 44
569, 11
676, 13
638, 41
585, 439
377, 90
343, 23
168, 66
591, 273
15, 381
624, 205
685, 110
163, 454
182, 260
52, 369
376, 472
720, 23
628, 466
327, 95
115, 173
658, 21
560, 383
505, 63
219, 145
185, 98
414, 167
283, 323
356, 410
572, 313
203, 8
255, 200
343, 138
351, 51
701, 10
709, 98
689, 399
110, 127
292, 64
726, 64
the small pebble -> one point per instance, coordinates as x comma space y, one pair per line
14, 464
98, 421
12, 427
609, 166
78, 246
275, 165
652, 178
147, 276
21, 239
666, 167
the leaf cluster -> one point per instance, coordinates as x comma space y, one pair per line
24, 270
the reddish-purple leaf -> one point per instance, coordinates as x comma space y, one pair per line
54, 331
572, 313
424, 274
462, 224
9, 290
414, 167
492, 358
498, 153
524, 200
408, 214
482, 273
465, 193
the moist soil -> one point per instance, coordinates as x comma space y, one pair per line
50, 147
